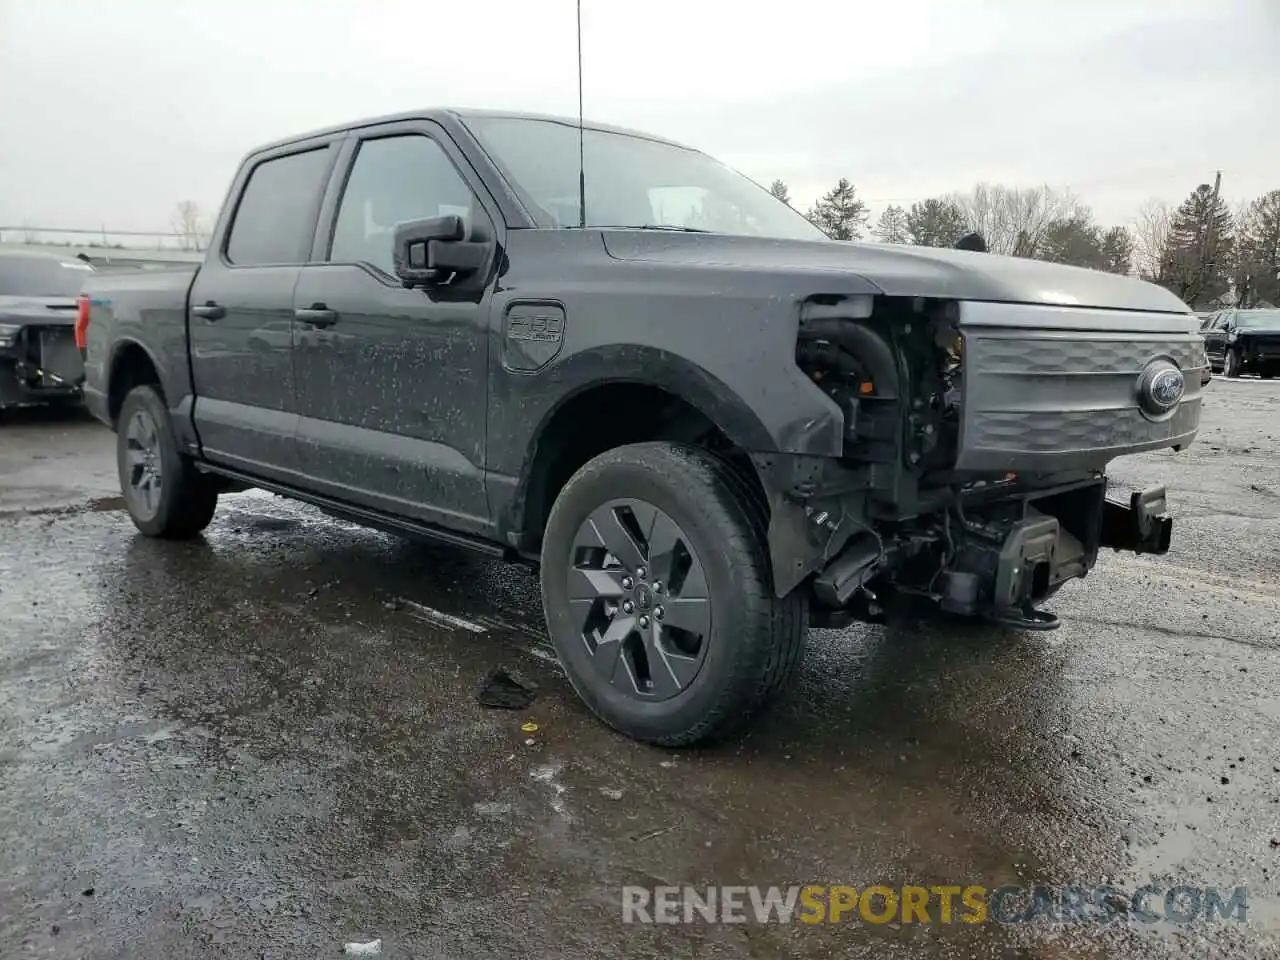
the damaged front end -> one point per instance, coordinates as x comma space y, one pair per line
975, 446
39, 363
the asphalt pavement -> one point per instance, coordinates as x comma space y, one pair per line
266, 743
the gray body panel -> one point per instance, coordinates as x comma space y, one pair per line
899, 270
144, 311
391, 397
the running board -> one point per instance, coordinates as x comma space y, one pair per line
366, 516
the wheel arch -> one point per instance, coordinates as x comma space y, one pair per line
683, 403
132, 364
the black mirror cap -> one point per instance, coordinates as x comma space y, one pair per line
413, 243
972, 241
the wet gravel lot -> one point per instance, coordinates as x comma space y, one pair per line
265, 743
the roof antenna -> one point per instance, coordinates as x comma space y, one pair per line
582, 172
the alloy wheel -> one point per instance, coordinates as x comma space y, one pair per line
639, 599
143, 463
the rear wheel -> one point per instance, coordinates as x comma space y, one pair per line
658, 595
165, 494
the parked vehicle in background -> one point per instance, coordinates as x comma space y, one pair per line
709, 425
1244, 341
39, 361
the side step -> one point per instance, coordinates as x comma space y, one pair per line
367, 517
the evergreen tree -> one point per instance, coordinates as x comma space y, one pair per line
1198, 260
1117, 251
839, 213
892, 226
779, 190
935, 223
1074, 240
1257, 273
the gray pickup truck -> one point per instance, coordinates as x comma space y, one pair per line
709, 426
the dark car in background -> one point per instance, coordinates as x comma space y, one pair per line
39, 360
1243, 341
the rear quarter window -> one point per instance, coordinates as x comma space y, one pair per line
276, 216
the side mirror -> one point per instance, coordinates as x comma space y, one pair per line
430, 251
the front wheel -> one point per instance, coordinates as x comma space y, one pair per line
165, 494
658, 594
1231, 365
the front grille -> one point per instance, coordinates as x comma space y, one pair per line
1026, 355
1068, 430
1042, 398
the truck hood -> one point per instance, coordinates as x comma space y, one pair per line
43, 310
901, 270
1267, 330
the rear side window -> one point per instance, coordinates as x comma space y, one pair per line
277, 210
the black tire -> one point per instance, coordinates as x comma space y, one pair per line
754, 640
1231, 364
182, 503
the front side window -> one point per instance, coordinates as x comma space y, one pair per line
395, 179
1257, 319
276, 216
631, 181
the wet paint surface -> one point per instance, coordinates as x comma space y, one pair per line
266, 742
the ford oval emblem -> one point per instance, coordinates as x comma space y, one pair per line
1161, 387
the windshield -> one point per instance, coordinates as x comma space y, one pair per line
631, 181
1247, 319
41, 276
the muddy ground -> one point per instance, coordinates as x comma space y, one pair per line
265, 743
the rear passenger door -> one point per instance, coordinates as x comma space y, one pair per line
392, 382
241, 314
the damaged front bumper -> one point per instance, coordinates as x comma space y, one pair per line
40, 364
995, 552
1142, 525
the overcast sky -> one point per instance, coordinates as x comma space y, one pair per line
113, 111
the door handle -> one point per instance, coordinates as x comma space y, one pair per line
208, 311
317, 315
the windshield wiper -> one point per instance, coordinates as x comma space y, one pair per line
647, 226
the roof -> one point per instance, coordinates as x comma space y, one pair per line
440, 114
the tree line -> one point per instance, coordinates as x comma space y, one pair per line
1201, 250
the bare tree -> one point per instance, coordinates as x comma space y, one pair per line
188, 223
29, 234
1151, 238
1016, 220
